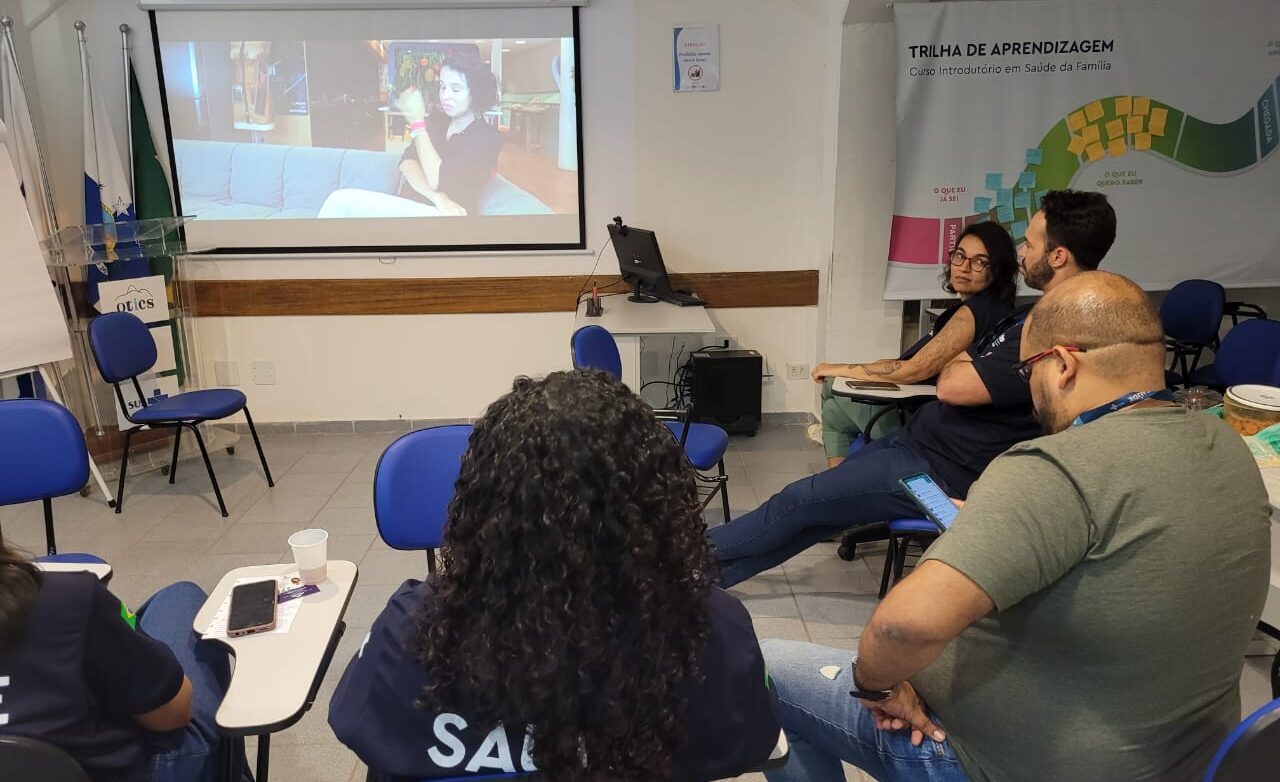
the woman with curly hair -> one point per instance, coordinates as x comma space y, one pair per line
573, 626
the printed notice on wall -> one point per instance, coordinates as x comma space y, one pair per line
697, 58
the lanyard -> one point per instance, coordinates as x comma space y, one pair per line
1131, 398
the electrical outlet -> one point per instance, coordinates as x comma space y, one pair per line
264, 373
797, 371
226, 373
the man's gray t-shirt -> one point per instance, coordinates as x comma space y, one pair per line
1127, 560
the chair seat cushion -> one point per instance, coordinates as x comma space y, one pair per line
1204, 376
912, 526
706, 444
205, 405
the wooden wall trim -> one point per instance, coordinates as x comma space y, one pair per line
455, 295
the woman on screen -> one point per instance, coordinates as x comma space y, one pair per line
453, 153
573, 625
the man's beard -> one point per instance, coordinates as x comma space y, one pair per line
1048, 415
1038, 273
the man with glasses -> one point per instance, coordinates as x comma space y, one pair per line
982, 409
1086, 615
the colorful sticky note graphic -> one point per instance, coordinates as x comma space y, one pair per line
993, 181
1092, 133
1077, 145
1156, 124
1034, 156
1141, 106
981, 204
1115, 128
1142, 141
1093, 112
1075, 120
1004, 214
1019, 229
1004, 197
1117, 147
1021, 200
1027, 180
1094, 151
1040, 197
1135, 123
1123, 104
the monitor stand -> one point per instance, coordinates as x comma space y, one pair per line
643, 298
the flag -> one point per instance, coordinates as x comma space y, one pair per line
22, 145
107, 200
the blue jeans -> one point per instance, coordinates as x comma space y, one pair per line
824, 725
862, 490
191, 753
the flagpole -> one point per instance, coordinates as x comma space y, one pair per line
128, 108
6, 24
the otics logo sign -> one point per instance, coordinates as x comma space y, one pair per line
139, 301
141, 296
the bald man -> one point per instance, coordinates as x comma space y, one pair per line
1086, 616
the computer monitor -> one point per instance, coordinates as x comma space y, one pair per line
640, 262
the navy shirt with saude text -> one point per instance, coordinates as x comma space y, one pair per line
732, 725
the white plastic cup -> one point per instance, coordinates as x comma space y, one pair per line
311, 552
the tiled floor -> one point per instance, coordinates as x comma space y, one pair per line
168, 533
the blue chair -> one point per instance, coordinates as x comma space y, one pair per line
902, 533
1191, 315
32, 760
123, 349
593, 347
42, 456
1250, 353
1251, 752
413, 485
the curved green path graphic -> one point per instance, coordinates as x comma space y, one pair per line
1120, 124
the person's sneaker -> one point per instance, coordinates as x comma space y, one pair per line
814, 433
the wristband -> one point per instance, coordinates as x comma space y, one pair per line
865, 695
419, 125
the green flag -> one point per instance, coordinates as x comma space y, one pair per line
151, 198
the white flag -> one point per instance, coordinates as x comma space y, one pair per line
22, 144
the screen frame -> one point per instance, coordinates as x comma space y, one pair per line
383, 249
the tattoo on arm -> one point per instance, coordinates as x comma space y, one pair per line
883, 368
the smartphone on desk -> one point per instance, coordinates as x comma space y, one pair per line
871, 385
253, 608
932, 500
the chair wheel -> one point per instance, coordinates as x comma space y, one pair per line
847, 551
84, 491
231, 449
164, 470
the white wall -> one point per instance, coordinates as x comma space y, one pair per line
739, 180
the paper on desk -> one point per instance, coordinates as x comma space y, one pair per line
285, 612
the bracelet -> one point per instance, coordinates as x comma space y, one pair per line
419, 125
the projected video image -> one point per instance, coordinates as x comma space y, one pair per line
332, 129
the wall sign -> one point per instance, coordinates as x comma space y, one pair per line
141, 296
697, 58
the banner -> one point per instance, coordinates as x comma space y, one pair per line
1169, 108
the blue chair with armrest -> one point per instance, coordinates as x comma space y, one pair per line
31, 760
1191, 315
1250, 353
413, 485
1251, 752
123, 349
704, 445
42, 456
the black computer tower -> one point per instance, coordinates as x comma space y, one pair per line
727, 388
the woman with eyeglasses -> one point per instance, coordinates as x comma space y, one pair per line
983, 274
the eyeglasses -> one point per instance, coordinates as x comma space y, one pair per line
977, 263
1023, 368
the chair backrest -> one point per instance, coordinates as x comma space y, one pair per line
1192, 311
413, 484
594, 348
42, 451
32, 760
1250, 353
122, 346
1251, 751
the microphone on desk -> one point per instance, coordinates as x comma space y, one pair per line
594, 310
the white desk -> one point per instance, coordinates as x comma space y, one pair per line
628, 321
275, 675
1271, 611
842, 387
100, 569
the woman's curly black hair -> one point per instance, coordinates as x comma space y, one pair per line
1003, 257
573, 595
